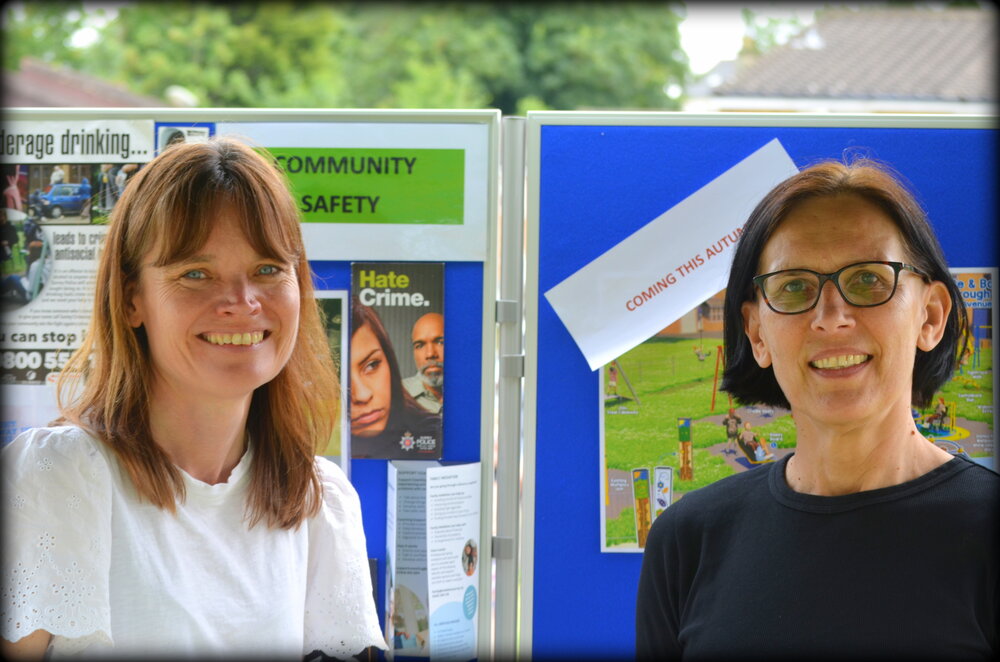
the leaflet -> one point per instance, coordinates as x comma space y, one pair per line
432, 559
407, 626
397, 360
453, 559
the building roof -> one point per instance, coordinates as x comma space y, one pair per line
908, 56
880, 53
37, 84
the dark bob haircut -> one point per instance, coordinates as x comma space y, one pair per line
872, 181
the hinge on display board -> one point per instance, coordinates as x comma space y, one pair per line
508, 311
512, 365
503, 548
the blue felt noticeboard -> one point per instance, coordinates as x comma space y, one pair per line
463, 306
597, 181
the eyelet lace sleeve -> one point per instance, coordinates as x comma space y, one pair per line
340, 618
57, 538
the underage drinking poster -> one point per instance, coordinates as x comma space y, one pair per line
396, 362
62, 179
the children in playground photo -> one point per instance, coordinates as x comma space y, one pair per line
841, 309
667, 378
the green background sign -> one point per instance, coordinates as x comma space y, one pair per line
376, 185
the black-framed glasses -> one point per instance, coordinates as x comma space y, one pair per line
863, 284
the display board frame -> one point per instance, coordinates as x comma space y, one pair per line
504, 367
471, 279
564, 575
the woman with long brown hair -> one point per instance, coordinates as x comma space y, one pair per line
179, 507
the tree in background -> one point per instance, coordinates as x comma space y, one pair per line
41, 30
764, 33
603, 56
511, 56
271, 54
429, 55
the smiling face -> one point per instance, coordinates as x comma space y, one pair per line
839, 363
428, 348
371, 384
220, 323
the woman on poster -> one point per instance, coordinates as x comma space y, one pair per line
869, 541
179, 510
386, 422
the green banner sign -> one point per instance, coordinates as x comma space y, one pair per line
376, 185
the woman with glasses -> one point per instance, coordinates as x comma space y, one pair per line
868, 541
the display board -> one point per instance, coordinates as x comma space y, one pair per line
595, 179
372, 186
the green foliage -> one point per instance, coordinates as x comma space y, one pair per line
431, 56
764, 33
41, 30
603, 55
272, 54
511, 56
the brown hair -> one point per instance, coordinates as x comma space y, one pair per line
876, 183
167, 211
362, 316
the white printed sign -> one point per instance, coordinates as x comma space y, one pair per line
453, 560
432, 559
668, 266
73, 141
387, 241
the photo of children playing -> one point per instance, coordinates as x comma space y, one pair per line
676, 375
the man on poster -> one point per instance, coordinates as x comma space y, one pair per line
427, 386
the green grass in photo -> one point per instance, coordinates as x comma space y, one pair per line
972, 391
670, 383
621, 530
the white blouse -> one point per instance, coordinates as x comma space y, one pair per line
108, 574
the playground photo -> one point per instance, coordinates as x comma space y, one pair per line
662, 408
960, 419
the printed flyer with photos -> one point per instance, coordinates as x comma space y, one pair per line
432, 559
667, 428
